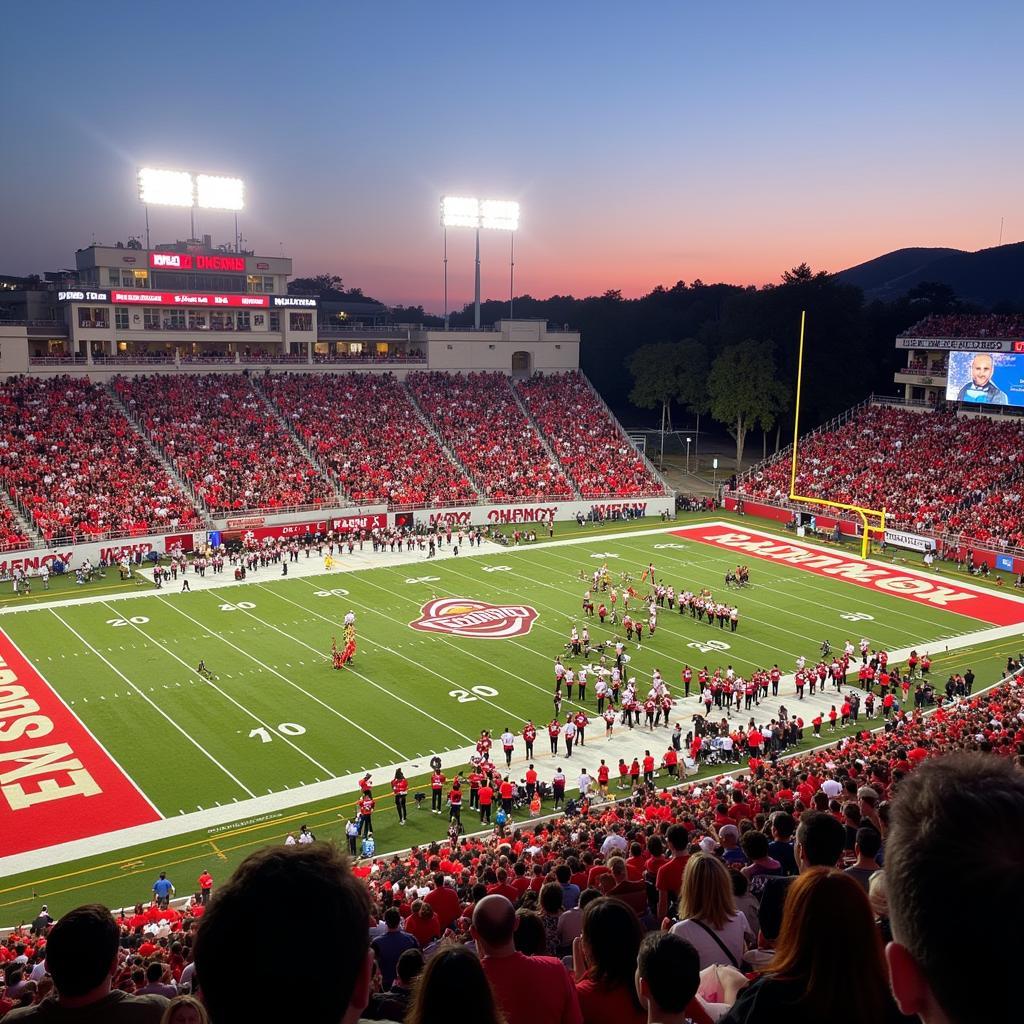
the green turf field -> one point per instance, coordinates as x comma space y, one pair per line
276, 717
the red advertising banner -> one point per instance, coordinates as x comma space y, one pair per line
202, 299
186, 261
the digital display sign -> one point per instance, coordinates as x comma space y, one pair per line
186, 261
202, 299
986, 378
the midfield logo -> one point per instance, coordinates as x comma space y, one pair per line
460, 616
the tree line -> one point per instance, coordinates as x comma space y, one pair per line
721, 350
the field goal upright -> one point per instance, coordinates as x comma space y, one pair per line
868, 527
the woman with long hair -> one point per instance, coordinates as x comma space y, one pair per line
185, 1010
453, 987
708, 918
828, 963
604, 963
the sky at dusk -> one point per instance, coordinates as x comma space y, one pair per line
647, 142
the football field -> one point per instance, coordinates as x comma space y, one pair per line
147, 763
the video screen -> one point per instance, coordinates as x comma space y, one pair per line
986, 378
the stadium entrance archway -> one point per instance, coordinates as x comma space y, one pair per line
522, 363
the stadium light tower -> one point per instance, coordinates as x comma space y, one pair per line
183, 189
495, 214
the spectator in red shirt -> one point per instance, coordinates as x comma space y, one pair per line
670, 876
422, 923
528, 990
604, 962
445, 901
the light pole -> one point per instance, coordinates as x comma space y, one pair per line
462, 212
689, 441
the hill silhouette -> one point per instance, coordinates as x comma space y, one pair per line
987, 278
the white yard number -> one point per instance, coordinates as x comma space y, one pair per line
711, 645
857, 617
604, 554
675, 547
497, 568
336, 592
244, 605
424, 579
135, 620
285, 729
465, 696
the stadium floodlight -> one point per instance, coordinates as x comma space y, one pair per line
165, 188
501, 214
495, 214
216, 193
460, 212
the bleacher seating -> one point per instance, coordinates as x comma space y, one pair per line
365, 429
968, 325
78, 467
599, 459
931, 471
478, 417
220, 437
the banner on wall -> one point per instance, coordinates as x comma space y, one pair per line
913, 541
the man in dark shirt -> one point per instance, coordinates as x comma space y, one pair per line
393, 1004
82, 958
781, 846
389, 947
819, 843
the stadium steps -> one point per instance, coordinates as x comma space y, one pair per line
429, 424
525, 410
324, 469
22, 516
625, 437
158, 453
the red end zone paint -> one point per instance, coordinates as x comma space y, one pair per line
933, 591
57, 783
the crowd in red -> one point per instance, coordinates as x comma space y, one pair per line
930, 470
599, 459
220, 436
478, 417
639, 853
367, 432
77, 466
968, 325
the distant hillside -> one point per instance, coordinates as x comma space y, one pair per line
985, 277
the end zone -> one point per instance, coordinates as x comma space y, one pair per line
56, 779
962, 598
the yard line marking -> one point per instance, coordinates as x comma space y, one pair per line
425, 668
156, 707
227, 696
294, 685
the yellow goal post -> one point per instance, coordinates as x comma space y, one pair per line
862, 512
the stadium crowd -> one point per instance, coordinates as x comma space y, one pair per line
366, 431
925, 468
222, 439
478, 416
968, 325
806, 890
598, 457
77, 467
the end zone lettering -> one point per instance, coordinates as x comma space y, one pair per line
1000, 611
55, 778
